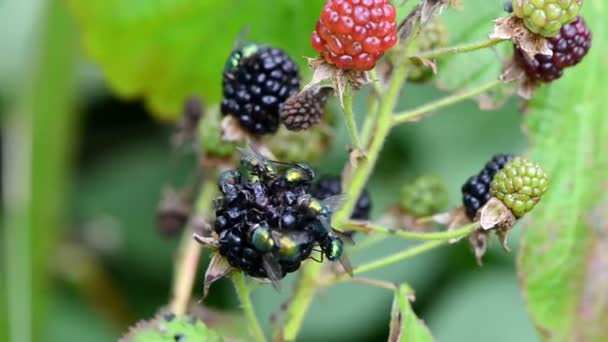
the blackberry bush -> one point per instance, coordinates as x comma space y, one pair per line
328, 186
257, 80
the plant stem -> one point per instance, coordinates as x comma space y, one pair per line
301, 300
349, 116
447, 235
391, 259
189, 254
381, 284
361, 174
415, 113
243, 293
452, 50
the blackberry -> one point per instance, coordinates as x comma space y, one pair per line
329, 186
432, 36
546, 17
424, 196
476, 191
354, 34
257, 79
305, 109
519, 185
569, 47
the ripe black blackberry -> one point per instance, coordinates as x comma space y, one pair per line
476, 191
332, 185
569, 47
257, 79
243, 205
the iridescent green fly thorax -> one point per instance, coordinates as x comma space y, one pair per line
300, 173
244, 52
335, 248
261, 238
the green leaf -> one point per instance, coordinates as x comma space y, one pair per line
563, 256
165, 51
169, 328
405, 326
474, 23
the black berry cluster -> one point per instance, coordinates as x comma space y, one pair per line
257, 80
328, 186
569, 47
476, 191
264, 199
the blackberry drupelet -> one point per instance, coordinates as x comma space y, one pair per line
476, 191
332, 185
569, 47
256, 82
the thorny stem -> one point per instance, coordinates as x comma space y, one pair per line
349, 116
243, 291
447, 235
452, 50
188, 256
413, 114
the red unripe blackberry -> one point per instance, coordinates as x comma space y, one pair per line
257, 80
328, 186
569, 47
476, 191
355, 34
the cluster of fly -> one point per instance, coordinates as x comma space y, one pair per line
267, 221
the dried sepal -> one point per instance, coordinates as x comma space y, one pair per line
218, 268
494, 214
525, 86
513, 28
479, 241
231, 130
323, 71
454, 220
356, 156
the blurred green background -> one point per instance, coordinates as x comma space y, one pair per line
83, 171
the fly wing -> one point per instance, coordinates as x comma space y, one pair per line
334, 203
345, 261
241, 38
273, 271
251, 153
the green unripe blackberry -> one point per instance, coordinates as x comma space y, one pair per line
519, 185
424, 196
432, 36
546, 17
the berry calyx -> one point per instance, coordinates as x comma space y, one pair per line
257, 80
546, 17
519, 185
569, 47
476, 191
355, 34
424, 196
